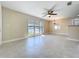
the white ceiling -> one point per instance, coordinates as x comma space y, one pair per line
36, 8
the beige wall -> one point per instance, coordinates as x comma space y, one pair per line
0, 23
66, 28
14, 24
74, 32
63, 23
47, 27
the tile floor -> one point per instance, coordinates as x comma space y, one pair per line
44, 46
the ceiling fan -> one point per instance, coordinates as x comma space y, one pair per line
50, 11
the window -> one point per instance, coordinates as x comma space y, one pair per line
75, 21
57, 27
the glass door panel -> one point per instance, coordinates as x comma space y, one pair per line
30, 31
41, 30
37, 30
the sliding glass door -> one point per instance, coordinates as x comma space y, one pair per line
30, 29
37, 30
35, 27
41, 27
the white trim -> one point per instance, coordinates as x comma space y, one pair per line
33, 35
68, 37
62, 34
12, 40
16, 39
72, 39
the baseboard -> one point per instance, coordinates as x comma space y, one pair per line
16, 39
62, 34
72, 39
12, 40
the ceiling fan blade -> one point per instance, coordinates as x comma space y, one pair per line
57, 10
53, 7
46, 9
54, 14
45, 12
45, 15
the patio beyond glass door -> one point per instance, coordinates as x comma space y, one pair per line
30, 31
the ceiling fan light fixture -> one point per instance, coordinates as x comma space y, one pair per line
49, 16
